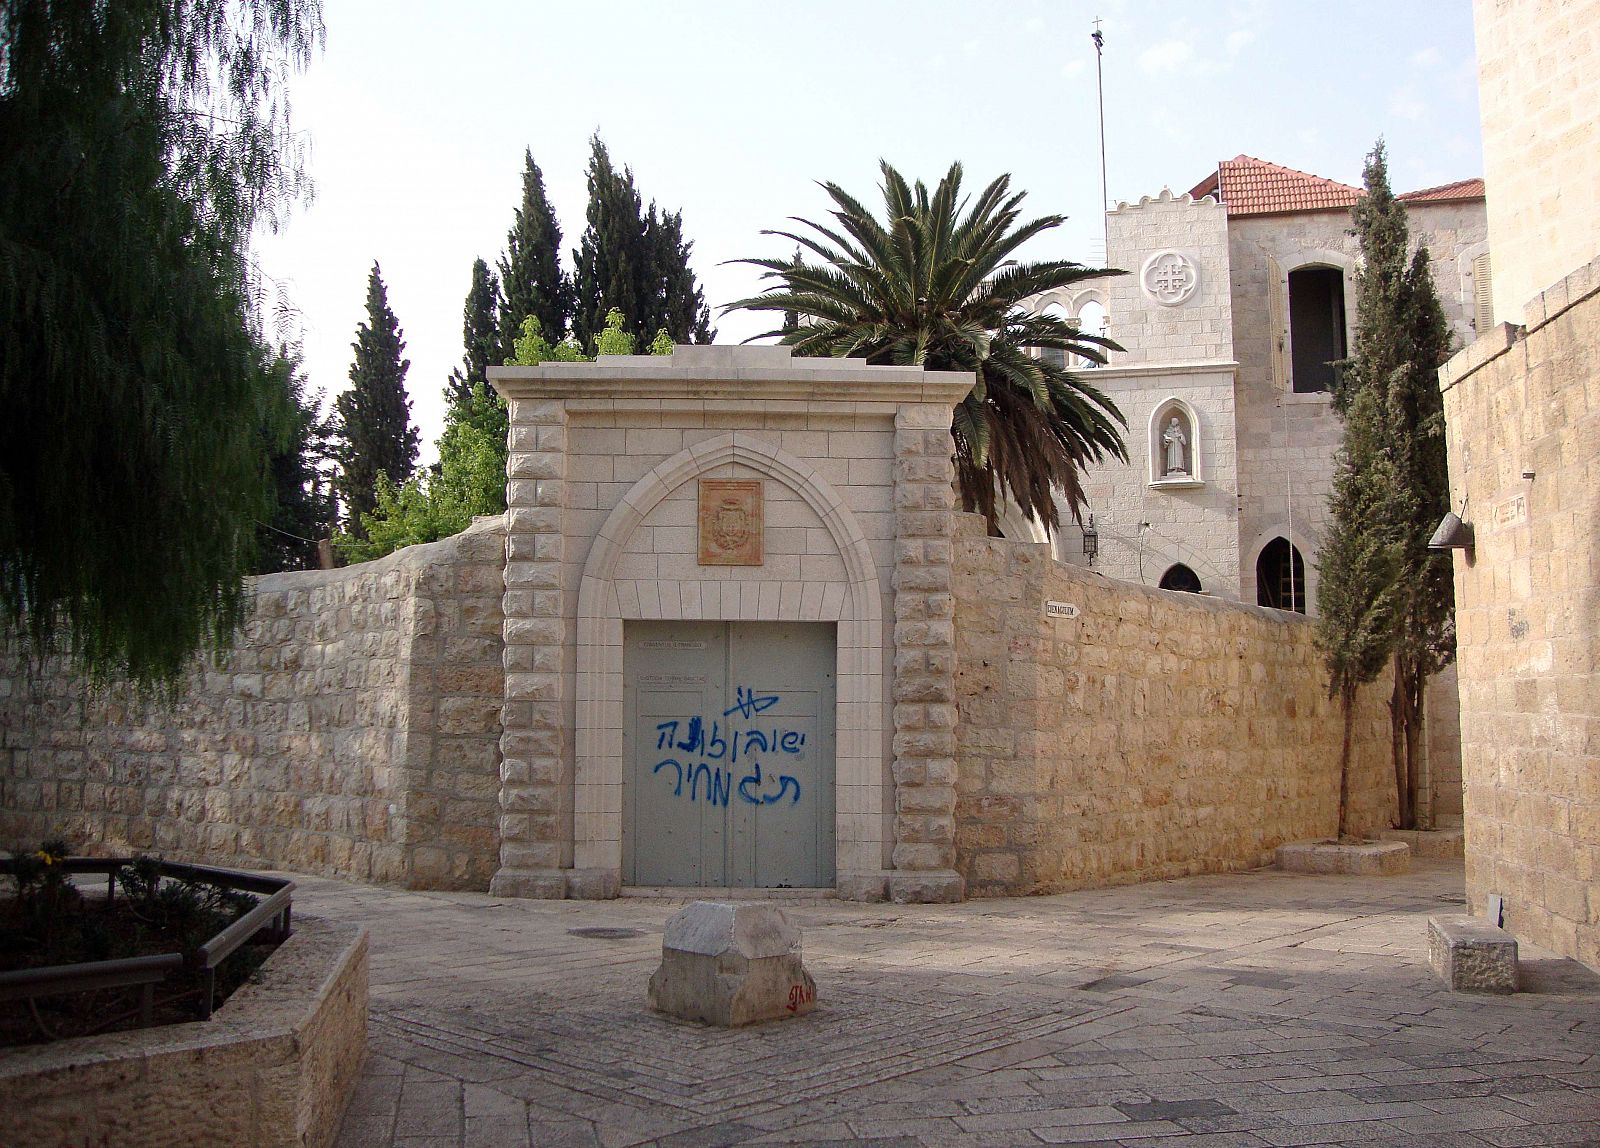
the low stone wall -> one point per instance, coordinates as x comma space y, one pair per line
1154, 735
352, 731
273, 1068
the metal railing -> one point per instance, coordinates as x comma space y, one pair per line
271, 916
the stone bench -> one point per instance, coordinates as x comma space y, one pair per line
1472, 955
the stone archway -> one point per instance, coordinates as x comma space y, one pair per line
605, 602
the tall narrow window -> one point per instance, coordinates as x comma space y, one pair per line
1316, 326
1281, 577
1055, 356
1091, 321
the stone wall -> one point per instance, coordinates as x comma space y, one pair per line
1150, 326
352, 731
1155, 735
1144, 526
1538, 90
1522, 408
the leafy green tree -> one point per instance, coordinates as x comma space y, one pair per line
376, 435
299, 449
934, 288
470, 478
141, 143
480, 334
530, 270
634, 261
1384, 597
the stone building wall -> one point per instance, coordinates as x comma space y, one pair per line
352, 731
1286, 440
1523, 411
1143, 526
1182, 319
1538, 90
1154, 735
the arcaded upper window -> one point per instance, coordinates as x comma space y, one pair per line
1316, 326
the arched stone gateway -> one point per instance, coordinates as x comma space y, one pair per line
720, 534
606, 603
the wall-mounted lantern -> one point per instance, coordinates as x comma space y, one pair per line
1453, 534
1091, 541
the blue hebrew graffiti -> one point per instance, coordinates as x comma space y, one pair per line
707, 741
677, 789
752, 782
746, 704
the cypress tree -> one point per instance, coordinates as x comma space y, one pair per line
633, 261
682, 310
378, 441
530, 270
480, 336
611, 254
1384, 597
141, 143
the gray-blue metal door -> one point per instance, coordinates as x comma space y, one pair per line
729, 741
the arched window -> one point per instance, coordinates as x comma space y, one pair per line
1281, 577
1316, 326
1055, 356
1091, 321
1180, 577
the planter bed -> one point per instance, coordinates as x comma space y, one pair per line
168, 935
273, 1067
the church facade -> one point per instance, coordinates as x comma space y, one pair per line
1240, 295
1239, 298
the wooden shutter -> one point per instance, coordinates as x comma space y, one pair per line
1278, 324
1482, 294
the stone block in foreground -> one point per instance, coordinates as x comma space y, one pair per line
1471, 955
1362, 859
731, 965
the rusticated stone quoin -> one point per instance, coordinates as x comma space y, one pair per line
925, 659
535, 767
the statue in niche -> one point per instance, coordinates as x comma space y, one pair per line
1175, 440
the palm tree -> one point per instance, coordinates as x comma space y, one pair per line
936, 288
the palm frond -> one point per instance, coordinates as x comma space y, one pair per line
935, 283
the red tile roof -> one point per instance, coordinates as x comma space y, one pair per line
1250, 186
1460, 189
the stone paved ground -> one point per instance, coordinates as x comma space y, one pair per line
1253, 1009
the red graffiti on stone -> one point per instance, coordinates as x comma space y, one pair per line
800, 995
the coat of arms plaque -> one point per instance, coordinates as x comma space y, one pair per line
730, 522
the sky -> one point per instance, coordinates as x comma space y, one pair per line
416, 116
